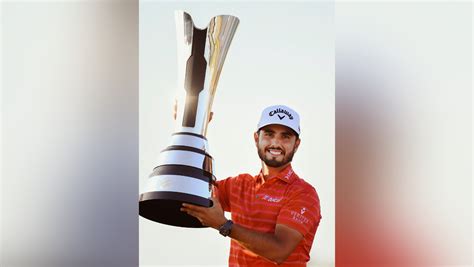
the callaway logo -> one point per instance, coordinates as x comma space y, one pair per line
279, 110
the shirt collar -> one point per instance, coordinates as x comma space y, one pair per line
287, 175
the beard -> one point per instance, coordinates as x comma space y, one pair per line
272, 161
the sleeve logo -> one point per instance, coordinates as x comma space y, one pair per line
303, 210
299, 218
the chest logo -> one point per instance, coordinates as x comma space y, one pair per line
271, 199
303, 210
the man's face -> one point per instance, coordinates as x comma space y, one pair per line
276, 145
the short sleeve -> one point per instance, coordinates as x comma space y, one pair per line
301, 211
223, 190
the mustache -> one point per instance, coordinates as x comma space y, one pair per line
275, 148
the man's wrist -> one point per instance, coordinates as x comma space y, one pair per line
222, 222
226, 228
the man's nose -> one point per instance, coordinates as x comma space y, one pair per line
276, 141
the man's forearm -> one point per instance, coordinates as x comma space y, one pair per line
266, 245
275, 246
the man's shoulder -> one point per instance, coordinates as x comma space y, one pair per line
243, 177
300, 186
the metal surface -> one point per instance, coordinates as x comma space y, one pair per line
220, 32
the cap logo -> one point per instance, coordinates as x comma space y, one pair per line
283, 111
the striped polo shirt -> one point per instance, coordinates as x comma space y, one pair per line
260, 206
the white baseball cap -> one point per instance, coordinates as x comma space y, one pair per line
282, 115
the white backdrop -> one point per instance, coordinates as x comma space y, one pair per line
282, 53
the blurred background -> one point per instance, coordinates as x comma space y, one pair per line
403, 134
69, 146
385, 96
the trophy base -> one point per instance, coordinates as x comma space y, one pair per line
164, 207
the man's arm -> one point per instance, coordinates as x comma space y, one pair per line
275, 247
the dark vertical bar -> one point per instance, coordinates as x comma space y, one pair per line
195, 75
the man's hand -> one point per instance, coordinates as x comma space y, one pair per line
212, 217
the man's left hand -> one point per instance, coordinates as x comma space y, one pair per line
212, 216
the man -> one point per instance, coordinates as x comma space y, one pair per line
275, 213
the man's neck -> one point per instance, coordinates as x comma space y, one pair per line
269, 172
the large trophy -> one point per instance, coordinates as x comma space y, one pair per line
184, 171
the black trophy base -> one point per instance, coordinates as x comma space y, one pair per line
164, 207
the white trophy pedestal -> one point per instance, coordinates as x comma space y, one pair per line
183, 174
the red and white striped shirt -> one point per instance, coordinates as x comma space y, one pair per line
260, 205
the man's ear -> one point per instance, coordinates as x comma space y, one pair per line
255, 138
297, 143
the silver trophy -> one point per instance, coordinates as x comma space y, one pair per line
184, 171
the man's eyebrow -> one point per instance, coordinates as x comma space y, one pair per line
268, 130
